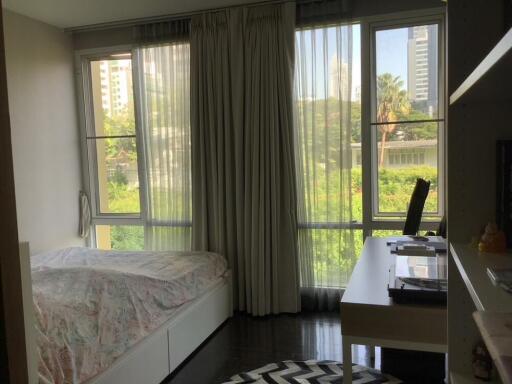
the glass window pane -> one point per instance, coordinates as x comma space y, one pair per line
112, 97
407, 74
396, 180
328, 123
120, 237
118, 180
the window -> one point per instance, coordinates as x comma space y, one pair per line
137, 147
328, 133
112, 138
406, 117
362, 141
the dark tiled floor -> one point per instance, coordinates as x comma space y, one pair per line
244, 343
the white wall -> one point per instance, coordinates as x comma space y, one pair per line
44, 132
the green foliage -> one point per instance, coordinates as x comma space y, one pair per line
127, 237
123, 198
392, 99
332, 247
396, 186
335, 251
122, 124
119, 177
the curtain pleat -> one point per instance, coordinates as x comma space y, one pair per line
163, 31
323, 137
314, 13
165, 90
243, 159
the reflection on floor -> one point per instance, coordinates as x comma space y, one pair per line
244, 343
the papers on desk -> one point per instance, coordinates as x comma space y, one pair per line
419, 278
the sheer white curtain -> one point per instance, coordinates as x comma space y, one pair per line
323, 129
165, 115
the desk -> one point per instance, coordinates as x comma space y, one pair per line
369, 316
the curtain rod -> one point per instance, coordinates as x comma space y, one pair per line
178, 16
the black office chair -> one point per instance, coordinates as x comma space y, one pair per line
416, 205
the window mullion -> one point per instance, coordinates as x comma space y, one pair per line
366, 140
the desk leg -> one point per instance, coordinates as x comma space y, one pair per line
347, 360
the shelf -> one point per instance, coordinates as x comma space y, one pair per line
491, 79
460, 378
472, 266
495, 329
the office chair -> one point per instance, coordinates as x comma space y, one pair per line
416, 205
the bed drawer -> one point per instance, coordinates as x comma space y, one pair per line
147, 362
197, 323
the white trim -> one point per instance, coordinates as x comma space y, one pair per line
399, 225
120, 220
84, 159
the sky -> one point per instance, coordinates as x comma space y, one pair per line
392, 52
391, 46
322, 47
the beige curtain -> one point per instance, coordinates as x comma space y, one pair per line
244, 196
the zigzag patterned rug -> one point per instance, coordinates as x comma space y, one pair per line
310, 372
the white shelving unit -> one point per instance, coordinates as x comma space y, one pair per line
479, 90
486, 81
471, 266
459, 378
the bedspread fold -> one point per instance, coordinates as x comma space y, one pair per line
91, 306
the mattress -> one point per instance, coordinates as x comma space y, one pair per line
91, 306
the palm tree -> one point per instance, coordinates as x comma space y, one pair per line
392, 101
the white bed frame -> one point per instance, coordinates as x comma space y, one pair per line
156, 356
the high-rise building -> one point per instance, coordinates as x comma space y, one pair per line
339, 79
116, 85
422, 66
356, 96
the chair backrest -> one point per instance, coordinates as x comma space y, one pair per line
416, 205
441, 230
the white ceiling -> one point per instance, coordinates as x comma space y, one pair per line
77, 13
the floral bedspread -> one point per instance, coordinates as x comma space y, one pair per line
92, 305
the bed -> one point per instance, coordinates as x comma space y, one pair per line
124, 317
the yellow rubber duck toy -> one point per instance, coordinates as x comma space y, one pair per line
493, 240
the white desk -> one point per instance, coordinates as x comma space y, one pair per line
369, 316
